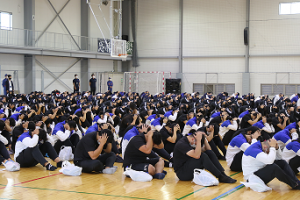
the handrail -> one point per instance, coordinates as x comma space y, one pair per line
48, 40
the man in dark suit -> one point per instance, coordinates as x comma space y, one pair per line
9, 86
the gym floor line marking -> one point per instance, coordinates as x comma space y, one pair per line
32, 180
70, 191
229, 192
7, 198
202, 188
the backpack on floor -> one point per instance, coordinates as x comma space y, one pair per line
65, 153
204, 178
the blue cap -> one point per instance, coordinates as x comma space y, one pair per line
5, 74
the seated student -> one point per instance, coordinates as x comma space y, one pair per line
104, 118
291, 154
266, 127
150, 119
9, 125
188, 155
31, 147
4, 155
19, 130
250, 119
260, 159
279, 122
171, 115
193, 124
158, 123
227, 129
62, 133
93, 153
130, 134
238, 146
214, 140
184, 118
170, 134
139, 149
96, 127
285, 136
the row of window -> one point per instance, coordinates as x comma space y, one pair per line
284, 9
266, 89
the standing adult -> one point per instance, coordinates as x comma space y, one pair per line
109, 84
9, 86
76, 83
93, 81
4, 84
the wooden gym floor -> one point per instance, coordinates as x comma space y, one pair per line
37, 183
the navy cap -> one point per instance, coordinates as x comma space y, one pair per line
5, 74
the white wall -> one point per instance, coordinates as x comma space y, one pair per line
9, 63
273, 34
213, 27
70, 16
210, 28
16, 7
94, 31
56, 65
157, 28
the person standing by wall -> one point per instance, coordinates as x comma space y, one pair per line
4, 84
76, 84
110, 84
9, 86
93, 81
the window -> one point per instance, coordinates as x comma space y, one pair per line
273, 89
215, 88
5, 20
289, 8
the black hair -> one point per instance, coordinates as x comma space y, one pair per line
156, 137
253, 129
229, 118
269, 120
169, 124
143, 114
72, 124
2, 125
109, 134
76, 120
116, 121
48, 121
31, 126
25, 118
193, 133
12, 122
42, 135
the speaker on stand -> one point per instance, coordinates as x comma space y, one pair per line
173, 86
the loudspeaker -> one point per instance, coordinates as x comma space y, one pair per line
125, 37
173, 86
246, 36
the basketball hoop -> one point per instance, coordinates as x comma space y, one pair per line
123, 56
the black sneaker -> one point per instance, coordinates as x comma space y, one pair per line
50, 167
297, 187
226, 179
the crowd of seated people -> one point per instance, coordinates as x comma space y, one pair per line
256, 135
